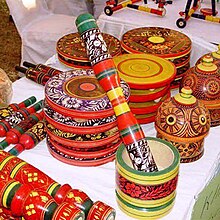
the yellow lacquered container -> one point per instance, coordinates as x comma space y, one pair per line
150, 195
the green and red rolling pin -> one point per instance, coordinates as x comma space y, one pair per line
14, 119
30, 138
14, 134
106, 73
25, 173
43, 68
31, 204
10, 109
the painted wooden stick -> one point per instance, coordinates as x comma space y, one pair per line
43, 68
9, 110
14, 119
25, 173
30, 138
106, 73
32, 204
13, 135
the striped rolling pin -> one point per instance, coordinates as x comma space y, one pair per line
106, 73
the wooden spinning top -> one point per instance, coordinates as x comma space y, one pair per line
184, 121
204, 80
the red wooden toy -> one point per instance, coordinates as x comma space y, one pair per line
9, 110
14, 119
13, 135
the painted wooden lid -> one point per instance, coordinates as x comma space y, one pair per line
159, 41
145, 71
78, 94
72, 47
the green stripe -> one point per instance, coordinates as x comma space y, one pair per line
146, 210
53, 193
142, 174
130, 130
106, 73
49, 211
11, 194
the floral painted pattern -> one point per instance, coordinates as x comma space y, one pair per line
146, 192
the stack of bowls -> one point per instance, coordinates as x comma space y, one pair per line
149, 78
163, 42
81, 125
72, 52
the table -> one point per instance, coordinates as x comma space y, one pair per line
126, 19
99, 182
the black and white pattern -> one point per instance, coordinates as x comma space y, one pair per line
15, 118
96, 46
55, 92
55, 116
141, 156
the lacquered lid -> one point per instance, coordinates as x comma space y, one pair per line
216, 54
159, 41
145, 71
77, 93
206, 66
185, 97
72, 47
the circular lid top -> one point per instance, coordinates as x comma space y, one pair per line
78, 91
207, 65
216, 54
144, 71
185, 97
72, 47
159, 41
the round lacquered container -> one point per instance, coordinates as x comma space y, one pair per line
138, 95
65, 157
148, 195
78, 94
72, 51
145, 71
146, 118
78, 125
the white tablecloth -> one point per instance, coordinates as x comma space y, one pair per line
99, 182
126, 19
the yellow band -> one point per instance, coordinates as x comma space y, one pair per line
5, 161
16, 168
121, 109
52, 187
113, 94
152, 180
7, 191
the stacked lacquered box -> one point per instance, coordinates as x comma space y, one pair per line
81, 125
149, 78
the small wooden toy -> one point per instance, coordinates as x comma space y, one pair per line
30, 138
34, 75
42, 68
10, 109
72, 52
106, 73
36, 180
14, 119
204, 80
113, 5
13, 135
144, 195
206, 14
31, 204
185, 122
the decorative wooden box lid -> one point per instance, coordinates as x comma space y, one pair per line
145, 71
183, 116
78, 94
72, 47
204, 80
159, 41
